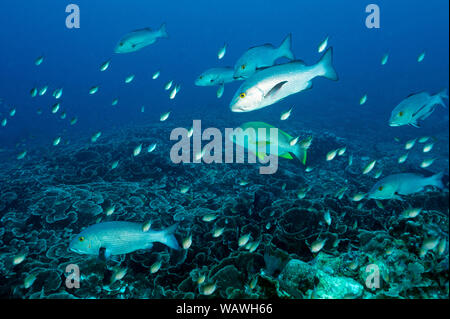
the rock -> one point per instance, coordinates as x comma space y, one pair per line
336, 287
297, 277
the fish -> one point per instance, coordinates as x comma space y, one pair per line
363, 100
358, 197
184, 189
209, 289
146, 226
275, 83
258, 57
323, 45
294, 141
243, 240
73, 121
114, 164
327, 218
105, 65
222, 52
19, 258
118, 274
397, 185
410, 144
421, 57
426, 163
139, 39
43, 90
416, 107
137, 150
215, 76
21, 155
120, 237
369, 167
4, 122
29, 280
378, 174
33, 92
55, 107
115, 102
340, 193
39, 60
95, 137
285, 115
341, 151
317, 245
209, 217
384, 59
129, 78
217, 232
424, 139
93, 90
174, 91
151, 148
58, 93
12, 112
168, 85
187, 242
164, 116
411, 212
154, 268
331, 155
156, 75
56, 141
428, 147
110, 210
256, 142
403, 158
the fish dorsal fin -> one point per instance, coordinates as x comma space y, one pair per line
275, 89
266, 45
143, 29
415, 93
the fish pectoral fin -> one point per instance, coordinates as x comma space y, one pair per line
286, 155
275, 89
309, 86
415, 124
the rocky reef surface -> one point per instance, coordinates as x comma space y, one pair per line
371, 250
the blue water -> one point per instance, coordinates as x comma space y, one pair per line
197, 30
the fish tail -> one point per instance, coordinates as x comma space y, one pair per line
326, 65
285, 47
441, 96
167, 237
162, 31
436, 180
300, 153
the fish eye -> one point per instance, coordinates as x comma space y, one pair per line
201, 77
400, 114
243, 66
242, 95
81, 238
121, 44
211, 81
380, 188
